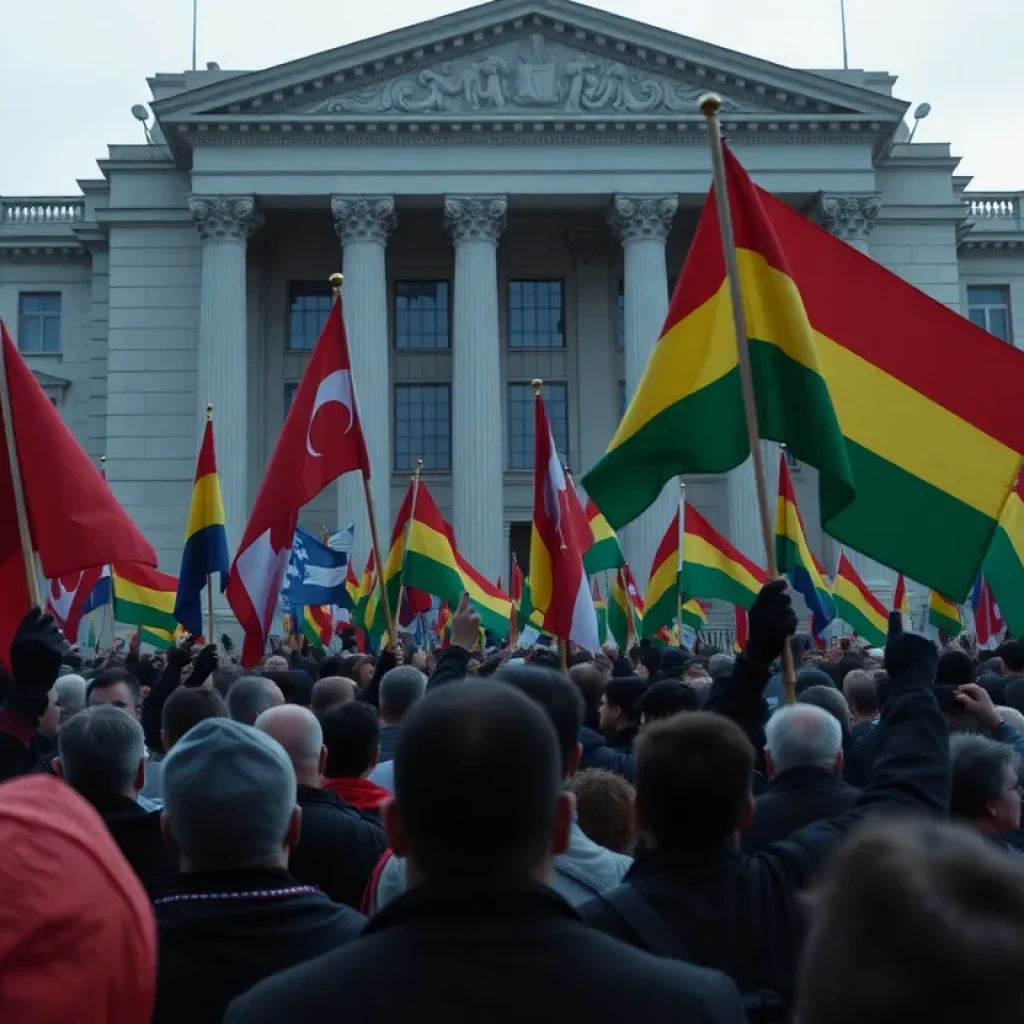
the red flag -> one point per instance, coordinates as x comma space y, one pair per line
819, 641
988, 619
75, 521
67, 598
517, 582
741, 629
317, 444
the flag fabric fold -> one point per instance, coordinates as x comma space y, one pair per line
619, 613
944, 614
315, 624
1004, 562
989, 625
714, 568
742, 629
144, 596
901, 600
68, 598
857, 606
317, 574
605, 552
661, 600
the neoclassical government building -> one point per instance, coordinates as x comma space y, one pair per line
510, 192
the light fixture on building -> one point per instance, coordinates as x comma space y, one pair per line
212, 65
922, 111
141, 114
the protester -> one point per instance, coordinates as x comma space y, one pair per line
101, 752
604, 809
479, 920
250, 696
666, 698
339, 847
77, 939
329, 692
351, 734
116, 686
862, 699
986, 787
400, 689
275, 663
238, 916
720, 908
224, 677
590, 680
915, 921
70, 695
186, 708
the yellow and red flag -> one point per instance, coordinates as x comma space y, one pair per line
857, 606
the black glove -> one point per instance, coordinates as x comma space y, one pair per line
205, 666
179, 656
37, 650
909, 657
772, 622
227, 643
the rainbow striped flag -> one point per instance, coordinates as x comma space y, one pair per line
1004, 564
856, 605
713, 568
794, 558
944, 614
605, 552
144, 596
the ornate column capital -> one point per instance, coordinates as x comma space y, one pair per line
364, 218
475, 218
849, 217
234, 218
642, 217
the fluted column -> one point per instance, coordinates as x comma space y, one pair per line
643, 223
363, 224
225, 224
475, 224
744, 516
851, 218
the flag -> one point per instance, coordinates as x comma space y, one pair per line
794, 558
162, 639
315, 623
601, 610
605, 552
695, 614
206, 540
662, 597
989, 627
516, 594
856, 605
343, 540
92, 642
444, 620
944, 614
619, 612
74, 520
558, 584
316, 573
713, 568
828, 326
433, 565
742, 629
901, 600
317, 444
144, 597
1004, 563
819, 640
391, 578
68, 597
351, 585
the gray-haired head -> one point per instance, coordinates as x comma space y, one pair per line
980, 767
400, 688
298, 731
100, 750
720, 665
70, 695
250, 696
229, 795
802, 734
224, 677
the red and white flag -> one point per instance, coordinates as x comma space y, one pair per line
558, 584
68, 596
989, 626
322, 439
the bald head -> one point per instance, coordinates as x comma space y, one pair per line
330, 692
297, 729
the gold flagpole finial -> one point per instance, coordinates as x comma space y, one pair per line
209, 411
710, 104
336, 282
537, 384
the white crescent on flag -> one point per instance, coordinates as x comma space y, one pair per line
61, 599
335, 387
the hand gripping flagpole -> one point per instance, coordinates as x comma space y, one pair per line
336, 283
20, 510
709, 105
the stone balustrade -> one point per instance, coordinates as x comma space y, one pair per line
24, 211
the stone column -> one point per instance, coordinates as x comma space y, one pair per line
475, 224
744, 514
851, 218
363, 224
642, 224
225, 224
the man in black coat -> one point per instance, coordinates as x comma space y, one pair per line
804, 763
238, 915
339, 846
741, 914
479, 936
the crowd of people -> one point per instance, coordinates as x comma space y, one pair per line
653, 835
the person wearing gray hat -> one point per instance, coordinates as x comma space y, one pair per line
230, 816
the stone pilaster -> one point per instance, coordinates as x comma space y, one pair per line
363, 224
475, 224
225, 224
744, 513
642, 223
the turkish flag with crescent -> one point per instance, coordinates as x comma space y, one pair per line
322, 439
68, 596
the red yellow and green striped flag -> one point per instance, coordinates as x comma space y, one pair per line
695, 614
605, 552
714, 568
162, 639
315, 624
828, 326
619, 616
144, 596
901, 600
1004, 564
742, 630
662, 597
601, 608
944, 614
857, 606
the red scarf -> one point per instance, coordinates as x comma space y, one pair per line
359, 792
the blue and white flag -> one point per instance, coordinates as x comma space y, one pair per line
101, 593
316, 574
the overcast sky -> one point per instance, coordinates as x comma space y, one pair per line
71, 69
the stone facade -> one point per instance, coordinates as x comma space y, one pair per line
531, 141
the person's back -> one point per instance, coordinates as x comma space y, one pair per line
238, 915
479, 937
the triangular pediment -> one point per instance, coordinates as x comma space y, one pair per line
527, 58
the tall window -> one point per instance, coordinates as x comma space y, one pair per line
309, 302
39, 321
520, 421
423, 426
988, 306
535, 314
422, 314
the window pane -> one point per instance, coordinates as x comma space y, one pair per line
997, 323
977, 317
520, 421
309, 303
51, 333
987, 295
39, 321
423, 426
535, 314
421, 314
289, 396
29, 332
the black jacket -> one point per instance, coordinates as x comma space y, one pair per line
741, 914
473, 951
795, 798
222, 932
388, 742
597, 753
137, 834
338, 847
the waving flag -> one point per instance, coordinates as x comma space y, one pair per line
989, 627
315, 624
856, 605
1004, 564
714, 568
944, 614
68, 598
662, 598
144, 597
742, 629
605, 552
322, 438
901, 600
317, 574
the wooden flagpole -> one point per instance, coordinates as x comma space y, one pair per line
709, 105
679, 588
20, 509
210, 635
513, 626
337, 281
